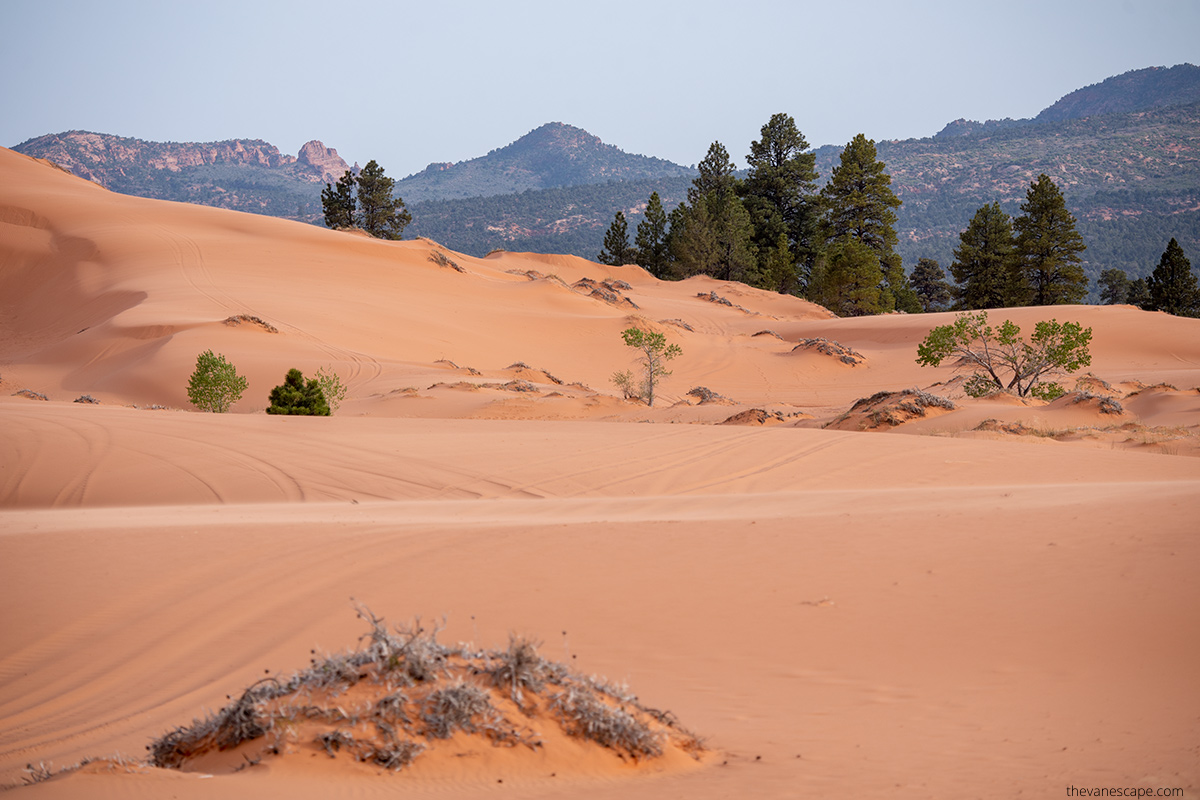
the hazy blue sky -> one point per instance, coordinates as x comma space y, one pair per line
411, 83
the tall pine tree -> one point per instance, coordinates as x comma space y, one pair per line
1172, 285
1048, 246
711, 233
929, 282
380, 214
780, 195
616, 243
985, 264
338, 202
652, 251
859, 204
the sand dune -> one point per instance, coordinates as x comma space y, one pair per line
997, 604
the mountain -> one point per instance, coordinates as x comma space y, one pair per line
1136, 90
1125, 152
243, 174
551, 156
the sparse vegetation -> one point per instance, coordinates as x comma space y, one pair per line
408, 688
1001, 360
655, 354
215, 385
331, 387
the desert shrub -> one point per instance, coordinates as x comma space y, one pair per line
1001, 360
655, 355
332, 387
299, 397
215, 385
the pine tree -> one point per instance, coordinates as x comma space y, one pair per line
780, 196
295, 396
714, 234
1048, 246
1139, 294
652, 251
929, 282
985, 265
616, 243
1172, 286
338, 203
850, 284
858, 203
716, 174
1114, 287
380, 214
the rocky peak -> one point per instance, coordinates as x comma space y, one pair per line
322, 160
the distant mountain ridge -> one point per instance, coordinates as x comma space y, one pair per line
1136, 90
242, 174
547, 157
1125, 152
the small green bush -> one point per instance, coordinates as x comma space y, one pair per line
332, 387
215, 385
297, 396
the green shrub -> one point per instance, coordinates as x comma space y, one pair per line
215, 385
332, 387
297, 396
1001, 360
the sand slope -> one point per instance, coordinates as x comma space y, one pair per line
948, 613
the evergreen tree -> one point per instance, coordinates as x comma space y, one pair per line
338, 202
985, 266
380, 214
1172, 286
298, 397
850, 283
652, 250
616, 243
929, 282
712, 235
858, 203
1048, 246
716, 175
1139, 294
1114, 287
780, 196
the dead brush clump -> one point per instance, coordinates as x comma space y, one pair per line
238, 319
828, 347
443, 260
401, 692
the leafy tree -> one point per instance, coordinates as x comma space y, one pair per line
929, 282
1139, 294
616, 243
985, 265
652, 250
655, 354
858, 203
780, 195
1114, 287
332, 388
381, 215
1172, 286
338, 203
1048, 246
215, 384
1001, 360
297, 397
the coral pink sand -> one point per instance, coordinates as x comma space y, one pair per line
840, 614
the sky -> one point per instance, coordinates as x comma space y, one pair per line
409, 84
